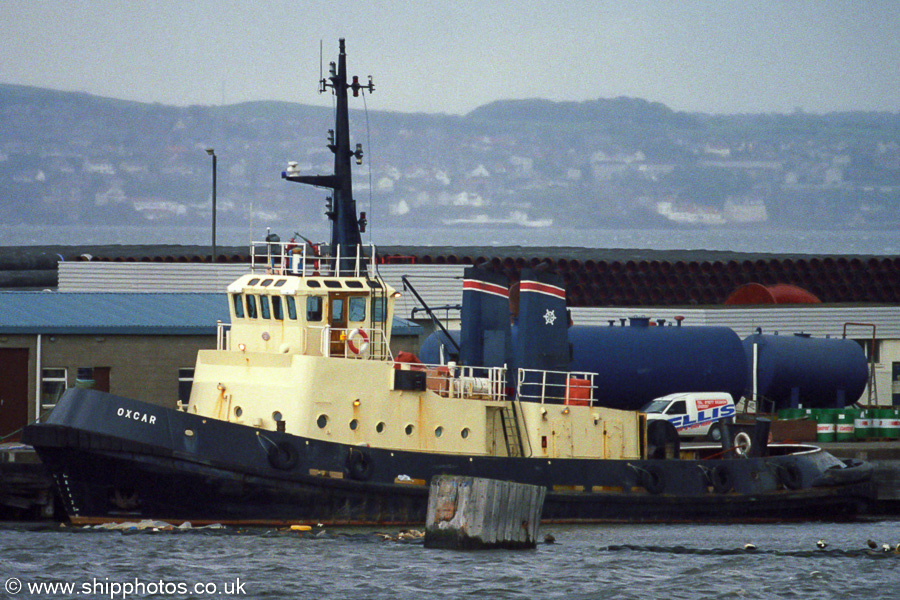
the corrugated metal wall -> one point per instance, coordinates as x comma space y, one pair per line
95, 276
441, 285
438, 285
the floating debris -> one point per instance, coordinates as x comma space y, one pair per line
149, 525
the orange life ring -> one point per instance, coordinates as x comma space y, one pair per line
364, 345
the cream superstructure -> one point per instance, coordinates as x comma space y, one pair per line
308, 353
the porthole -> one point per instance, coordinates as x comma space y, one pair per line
238, 411
409, 429
354, 424
322, 421
464, 433
379, 427
438, 431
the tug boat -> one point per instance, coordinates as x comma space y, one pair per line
302, 414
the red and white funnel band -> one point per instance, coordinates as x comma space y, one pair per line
485, 287
542, 288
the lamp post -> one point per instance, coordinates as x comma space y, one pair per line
212, 153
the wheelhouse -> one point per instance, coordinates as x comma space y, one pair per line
296, 302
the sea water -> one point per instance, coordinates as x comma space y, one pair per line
783, 241
599, 561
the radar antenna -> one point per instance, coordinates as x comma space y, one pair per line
345, 223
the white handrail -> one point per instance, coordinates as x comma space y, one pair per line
302, 259
455, 381
537, 388
372, 344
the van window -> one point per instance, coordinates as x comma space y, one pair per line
251, 306
314, 308
276, 308
357, 309
238, 306
679, 407
292, 308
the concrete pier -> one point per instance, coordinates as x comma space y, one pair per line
470, 513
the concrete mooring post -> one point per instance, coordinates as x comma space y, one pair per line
471, 513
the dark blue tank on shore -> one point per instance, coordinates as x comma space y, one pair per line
813, 372
638, 363
641, 362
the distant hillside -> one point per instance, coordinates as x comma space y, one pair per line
69, 158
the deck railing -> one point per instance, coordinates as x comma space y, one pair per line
222, 332
354, 342
454, 381
293, 258
556, 387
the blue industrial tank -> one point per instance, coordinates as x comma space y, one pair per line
430, 351
640, 362
814, 372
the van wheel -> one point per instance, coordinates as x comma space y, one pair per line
715, 433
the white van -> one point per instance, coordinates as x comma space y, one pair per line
693, 413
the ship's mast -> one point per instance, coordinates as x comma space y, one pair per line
341, 207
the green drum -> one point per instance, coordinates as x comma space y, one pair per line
881, 418
844, 425
825, 424
791, 413
862, 424
890, 424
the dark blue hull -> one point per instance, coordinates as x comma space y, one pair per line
112, 458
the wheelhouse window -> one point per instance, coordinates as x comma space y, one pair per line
291, 307
357, 308
379, 310
264, 306
337, 312
314, 308
238, 306
277, 311
251, 305
53, 384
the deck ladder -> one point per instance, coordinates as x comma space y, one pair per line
511, 430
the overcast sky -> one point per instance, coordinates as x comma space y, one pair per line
719, 56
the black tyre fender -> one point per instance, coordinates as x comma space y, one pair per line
790, 476
283, 456
360, 465
722, 479
653, 479
662, 440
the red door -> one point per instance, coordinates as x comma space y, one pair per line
13, 392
